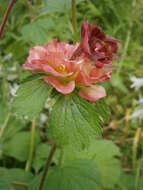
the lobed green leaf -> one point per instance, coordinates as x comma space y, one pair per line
30, 98
75, 175
74, 120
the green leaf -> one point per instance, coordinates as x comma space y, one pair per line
51, 6
118, 83
30, 98
44, 29
103, 152
41, 156
103, 110
75, 175
8, 177
74, 120
13, 126
18, 146
37, 32
17, 48
31, 77
126, 182
3, 113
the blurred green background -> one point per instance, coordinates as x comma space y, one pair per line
35, 22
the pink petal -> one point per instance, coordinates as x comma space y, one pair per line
51, 58
84, 75
50, 70
66, 50
92, 93
32, 67
83, 79
101, 74
64, 88
37, 52
36, 66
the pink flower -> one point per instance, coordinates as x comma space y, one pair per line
96, 45
98, 51
83, 65
89, 78
54, 61
92, 93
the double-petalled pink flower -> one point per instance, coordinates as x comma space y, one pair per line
53, 60
84, 65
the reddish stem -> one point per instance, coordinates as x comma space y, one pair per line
52, 151
10, 5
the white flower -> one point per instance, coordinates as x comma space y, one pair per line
13, 89
138, 112
137, 83
43, 117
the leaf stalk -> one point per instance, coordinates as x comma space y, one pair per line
74, 18
32, 136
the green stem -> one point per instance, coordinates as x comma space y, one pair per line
137, 178
74, 19
4, 125
61, 156
29, 161
28, 2
52, 151
134, 148
4, 85
128, 37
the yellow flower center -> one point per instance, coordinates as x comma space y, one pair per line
62, 68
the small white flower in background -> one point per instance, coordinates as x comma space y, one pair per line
7, 57
137, 83
12, 74
13, 88
49, 103
13, 68
138, 112
43, 118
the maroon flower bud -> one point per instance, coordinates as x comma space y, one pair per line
96, 45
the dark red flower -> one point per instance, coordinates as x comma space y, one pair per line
96, 45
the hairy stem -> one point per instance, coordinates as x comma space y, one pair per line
10, 5
52, 151
29, 161
74, 19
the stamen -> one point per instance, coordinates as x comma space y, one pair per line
62, 68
